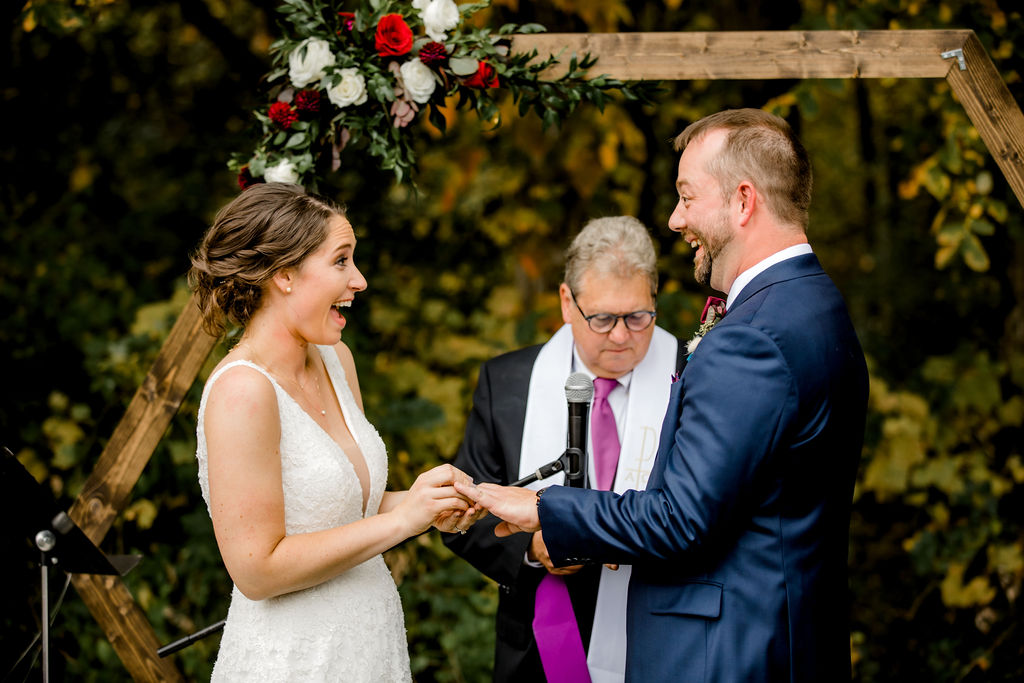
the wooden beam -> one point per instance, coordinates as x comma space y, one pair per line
126, 626
107, 490
754, 54
992, 110
137, 434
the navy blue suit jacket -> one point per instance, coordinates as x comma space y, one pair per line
739, 543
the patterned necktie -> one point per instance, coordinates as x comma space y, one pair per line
604, 435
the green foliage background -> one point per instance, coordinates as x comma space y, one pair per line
118, 116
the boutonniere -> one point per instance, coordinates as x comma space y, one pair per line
714, 310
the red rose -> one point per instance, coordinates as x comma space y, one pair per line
282, 114
394, 37
433, 53
348, 20
485, 77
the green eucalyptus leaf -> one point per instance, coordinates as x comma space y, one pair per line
463, 66
531, 28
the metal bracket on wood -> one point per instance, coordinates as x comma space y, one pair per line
959, 54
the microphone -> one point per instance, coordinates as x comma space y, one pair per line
579, 391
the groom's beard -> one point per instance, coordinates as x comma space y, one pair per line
713, 241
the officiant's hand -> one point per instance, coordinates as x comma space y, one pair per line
517, 506
538, 552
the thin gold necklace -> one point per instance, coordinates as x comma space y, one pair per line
302, 388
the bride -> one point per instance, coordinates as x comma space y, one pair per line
292, 472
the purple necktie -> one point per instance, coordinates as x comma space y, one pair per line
604, 435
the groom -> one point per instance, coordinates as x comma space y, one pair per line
739, 542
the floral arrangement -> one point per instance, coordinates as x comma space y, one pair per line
347, 78
714, 310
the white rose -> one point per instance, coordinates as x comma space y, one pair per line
283, 172
351, 89
419, 80
420, 4
308, 68
438, 17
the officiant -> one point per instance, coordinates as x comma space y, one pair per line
519, 422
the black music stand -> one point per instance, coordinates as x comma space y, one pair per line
35, 514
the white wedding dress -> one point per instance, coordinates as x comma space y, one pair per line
349, 628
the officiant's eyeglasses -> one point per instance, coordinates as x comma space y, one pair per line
603, 323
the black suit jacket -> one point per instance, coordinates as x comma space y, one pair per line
490, 452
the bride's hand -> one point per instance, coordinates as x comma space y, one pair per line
451, 521
432, 496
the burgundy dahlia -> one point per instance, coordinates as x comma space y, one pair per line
282, 114
307, 101
245, 178
433, 54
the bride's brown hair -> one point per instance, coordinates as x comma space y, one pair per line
269, 226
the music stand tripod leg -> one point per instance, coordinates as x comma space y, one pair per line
45, 541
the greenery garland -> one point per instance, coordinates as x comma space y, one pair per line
359, 78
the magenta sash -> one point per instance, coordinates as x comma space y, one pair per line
557, 634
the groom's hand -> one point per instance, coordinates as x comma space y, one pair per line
517, 506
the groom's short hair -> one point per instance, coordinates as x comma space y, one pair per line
762, 148
613, 245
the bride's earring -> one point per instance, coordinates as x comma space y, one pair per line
287, 290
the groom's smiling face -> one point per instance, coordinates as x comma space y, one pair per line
702, 213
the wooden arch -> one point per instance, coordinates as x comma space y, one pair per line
957, 56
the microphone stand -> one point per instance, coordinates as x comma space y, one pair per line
545, 471
181, 643
61, 543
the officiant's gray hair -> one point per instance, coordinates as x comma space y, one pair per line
614, 245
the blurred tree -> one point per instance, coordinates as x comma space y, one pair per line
119, 117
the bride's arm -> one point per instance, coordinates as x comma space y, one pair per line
243, 432
391, 500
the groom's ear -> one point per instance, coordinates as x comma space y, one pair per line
746, 201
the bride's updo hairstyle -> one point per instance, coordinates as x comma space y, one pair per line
269, 226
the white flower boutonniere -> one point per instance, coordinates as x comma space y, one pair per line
714, 310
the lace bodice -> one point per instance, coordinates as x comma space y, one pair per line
351, 627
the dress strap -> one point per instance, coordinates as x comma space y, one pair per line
220, 371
